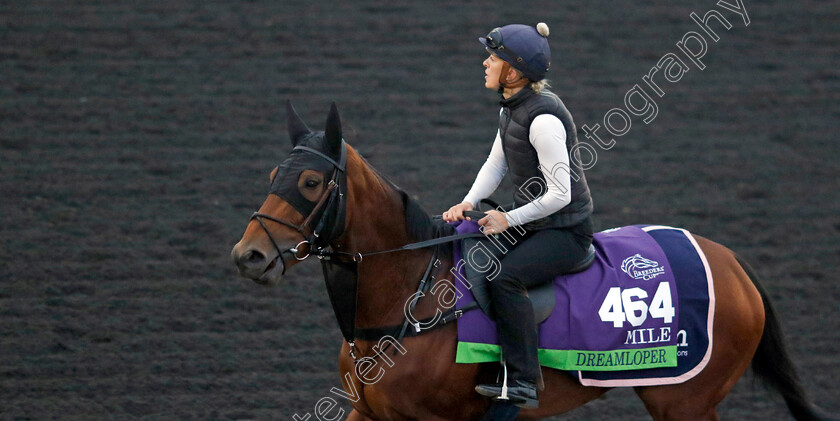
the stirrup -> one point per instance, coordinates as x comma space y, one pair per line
504, 395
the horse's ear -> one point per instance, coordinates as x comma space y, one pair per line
295, 124
333, 131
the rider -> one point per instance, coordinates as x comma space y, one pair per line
535, 136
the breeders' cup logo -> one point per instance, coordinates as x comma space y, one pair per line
640, 268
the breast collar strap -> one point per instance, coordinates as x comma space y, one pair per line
345, 312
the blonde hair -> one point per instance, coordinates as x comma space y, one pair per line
539, 86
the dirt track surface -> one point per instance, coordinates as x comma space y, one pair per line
136, 138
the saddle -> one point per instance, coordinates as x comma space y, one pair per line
542, 297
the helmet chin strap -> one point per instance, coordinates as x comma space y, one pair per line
504, 84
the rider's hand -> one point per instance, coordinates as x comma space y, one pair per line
456, 213
494, 223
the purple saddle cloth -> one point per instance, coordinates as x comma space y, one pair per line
641, 315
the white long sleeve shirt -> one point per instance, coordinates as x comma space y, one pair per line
548, 136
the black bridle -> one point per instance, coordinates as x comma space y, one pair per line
329, 200
332, 197
340, 268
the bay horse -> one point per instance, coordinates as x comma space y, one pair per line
326, 200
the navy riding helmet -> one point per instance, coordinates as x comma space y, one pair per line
523, 46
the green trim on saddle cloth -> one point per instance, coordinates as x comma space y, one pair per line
472, 353
614, 360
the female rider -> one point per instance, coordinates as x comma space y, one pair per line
552, 205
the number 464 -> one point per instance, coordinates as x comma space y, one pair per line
628, 304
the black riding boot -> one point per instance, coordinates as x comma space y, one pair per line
517, 330
518, 338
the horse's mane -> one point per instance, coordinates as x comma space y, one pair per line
419, 224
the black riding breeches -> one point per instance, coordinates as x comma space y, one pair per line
536, 258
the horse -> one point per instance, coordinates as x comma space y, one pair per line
326, 200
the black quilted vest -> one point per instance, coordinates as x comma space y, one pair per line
518, 112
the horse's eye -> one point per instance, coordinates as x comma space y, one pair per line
312, 183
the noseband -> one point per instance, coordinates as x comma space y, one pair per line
331, 198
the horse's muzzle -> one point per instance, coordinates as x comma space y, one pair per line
256, 265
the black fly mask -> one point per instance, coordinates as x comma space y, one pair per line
322, 152
326, 153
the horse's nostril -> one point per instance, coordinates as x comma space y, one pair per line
249, 261
253, 257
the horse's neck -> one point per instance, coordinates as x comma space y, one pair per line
376, 221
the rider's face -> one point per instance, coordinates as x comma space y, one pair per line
492, 68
